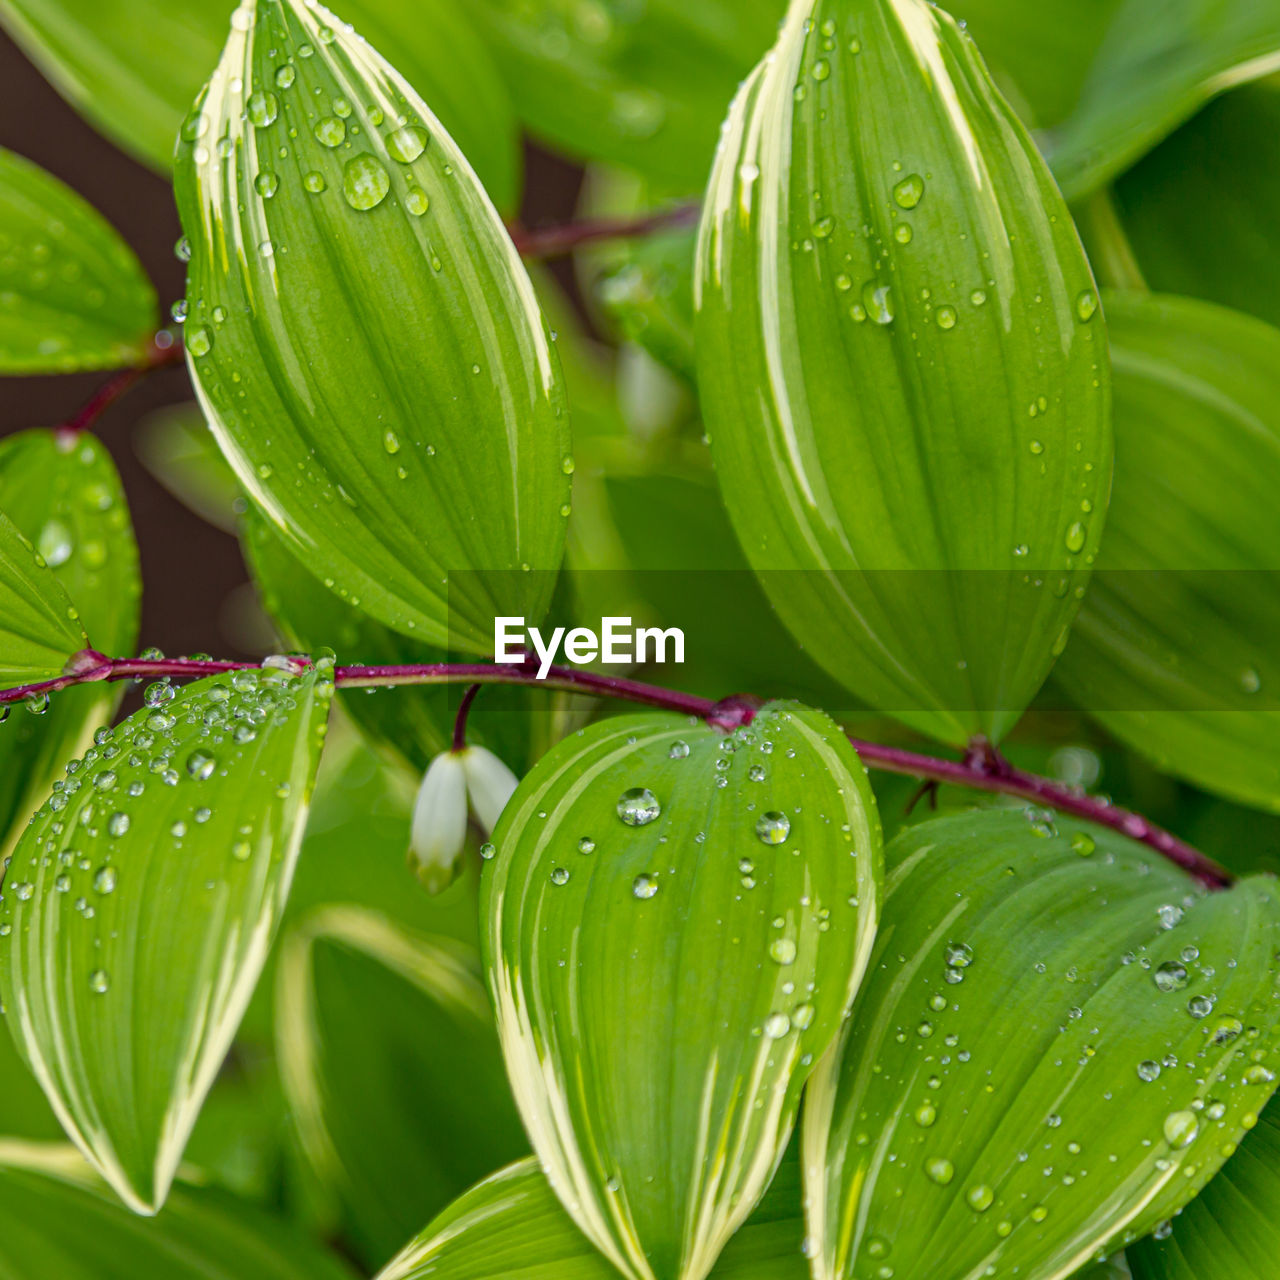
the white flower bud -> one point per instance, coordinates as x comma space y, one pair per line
439, 823
489, 783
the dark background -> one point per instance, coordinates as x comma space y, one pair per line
189, 569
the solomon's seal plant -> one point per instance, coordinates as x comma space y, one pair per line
909, 458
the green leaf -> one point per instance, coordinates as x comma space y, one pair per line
896, 324
65, 496
674, 925
1201, 208
391, 1064
132, 68
643, 86
140, 904
1174, 650
1161, 61
512, 1225
57, 1219
1058, 1043
39, 626
72, 295
177, 448
1231, 1230
361, 295
1040, 54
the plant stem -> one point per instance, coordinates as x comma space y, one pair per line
982, 769
162, 352
553, 242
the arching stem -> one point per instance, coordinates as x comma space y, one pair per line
982, 768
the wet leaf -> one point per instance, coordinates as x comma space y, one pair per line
132, 68
1230, 1231
39, 627
513, 1225
140, 904
1221, 170
58, 1219
72, 295
362, 296
1174, 650
65, 496
642, 86
1160, 62
896, 323
390, 1061
1059, 1041
669, 956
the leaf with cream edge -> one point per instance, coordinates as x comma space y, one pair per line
140, 904
392, 1127
512, 1225
132, 68
896, 322
1059, 1041
1174, 649
64, 494
1231, 1231
361, 295
72, 295
1160, 62
39, 626
674, 924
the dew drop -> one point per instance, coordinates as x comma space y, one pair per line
1180, 1129
782, 951
1086, 305
910, 191
99, 982
773, 827
365, 182
940, 1170
877, 300
776, 1025
638, 806
330, 132
644, 886
200, 765
262, 109
407, 144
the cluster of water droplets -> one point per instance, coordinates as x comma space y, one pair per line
1213, 1070
160, 761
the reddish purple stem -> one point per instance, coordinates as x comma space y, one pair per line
556, 241
983, 768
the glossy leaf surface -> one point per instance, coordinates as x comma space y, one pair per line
1231, 1230
39, 627
133, 68
1174, 650
1199, 210
362, 296
643, 86
140, 904
1039, 999
67, 499
512, 1225
1160, 62
897, 326
392, 1069
59, 1220
669, 956
72, 295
